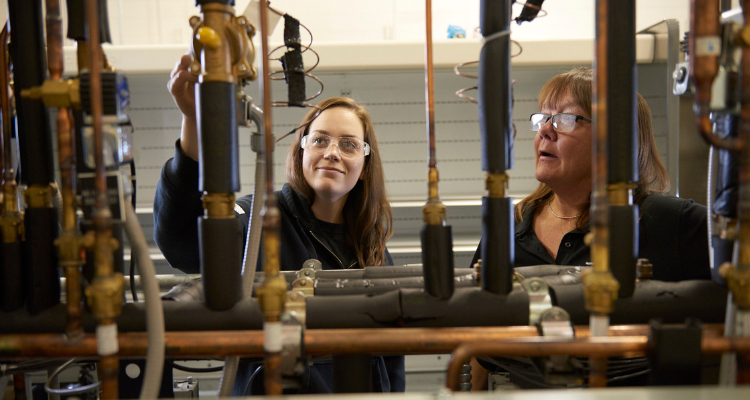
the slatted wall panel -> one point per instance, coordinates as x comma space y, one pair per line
395, 99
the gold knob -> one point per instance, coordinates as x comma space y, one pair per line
208, 37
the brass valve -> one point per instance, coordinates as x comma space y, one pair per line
600, 290
272, 296
222, 49
38, 196
105, 296
59, 94
739, 284
70, 243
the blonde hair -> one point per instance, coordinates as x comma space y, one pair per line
652, 176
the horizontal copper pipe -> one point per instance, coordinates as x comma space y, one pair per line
587, 347
317, 341
538, 347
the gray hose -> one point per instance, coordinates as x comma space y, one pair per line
252, 245
154, 310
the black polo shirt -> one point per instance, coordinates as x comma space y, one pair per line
672, 235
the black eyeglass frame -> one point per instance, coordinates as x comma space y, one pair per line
551, 117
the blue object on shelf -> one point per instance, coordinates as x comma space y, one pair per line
456, 32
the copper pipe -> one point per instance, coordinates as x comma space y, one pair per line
704, 64
541, 347
19, 386
430, 89
109, 368
272, 293
744, 138
600, 286
8, 169
598, 374
105, 292
68, 243
321, 341
433, 212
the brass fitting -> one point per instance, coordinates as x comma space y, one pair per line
645, 269
478, 271
272, 296
105, 293
620, 193
743, 38
11, 226
38, 196
69, 245
739, 284
59, 94
104, 296
496, 185
218, 205
222, 49
600, 290
11, 222
433, 213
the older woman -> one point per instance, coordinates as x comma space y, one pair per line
334, 207
551, 222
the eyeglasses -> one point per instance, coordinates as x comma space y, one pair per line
562, 122
348, 146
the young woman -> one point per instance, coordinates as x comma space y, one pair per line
334, 207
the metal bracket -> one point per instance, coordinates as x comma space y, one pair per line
293, 351
558, 370
539, 298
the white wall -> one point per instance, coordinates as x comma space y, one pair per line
144, 22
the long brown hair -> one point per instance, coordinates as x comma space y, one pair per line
652, 176
367, 212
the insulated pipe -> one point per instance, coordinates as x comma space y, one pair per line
436, 237
41, 277
70, 241
272, 293
617, 23
220, 232
497, 131
11, 223
106, 290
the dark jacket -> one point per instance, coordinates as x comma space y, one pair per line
672, 235
177, 205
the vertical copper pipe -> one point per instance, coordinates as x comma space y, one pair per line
704, 48
68, 242
430, 91
272, 293
434, 211
108, 371
5, 143
19, 386
598, 374
106, 290
9, 177
744, 137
